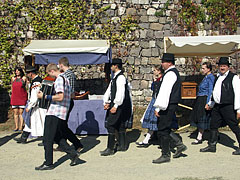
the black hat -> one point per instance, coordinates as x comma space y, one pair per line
116, 61
29, 69
223, 60
169, 57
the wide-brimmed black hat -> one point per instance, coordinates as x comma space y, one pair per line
223, 60
116, 61
168, 57
29, 69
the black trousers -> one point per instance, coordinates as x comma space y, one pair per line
51, 126
226, 113
164, 122
114, 122
67, 133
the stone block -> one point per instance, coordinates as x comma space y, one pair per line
153, 19
155, 61
116, 19
147, 92
152, 43
162, 20
145, 70
143, 34
148, 77
135, 84
135, 51
150, 34
144, 84
137, 62
142, 12
113, 6
151, 11
167, 27
155, 52
130, 60
156, 26
144, 61
131, 11
144, 44
160, 43
144, 25
137, 76
137, 93
121, 10
167, 33
143, 19
144, 2
146, 53
158, 34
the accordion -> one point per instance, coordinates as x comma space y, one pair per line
47, 87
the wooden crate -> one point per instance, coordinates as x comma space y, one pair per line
188, 90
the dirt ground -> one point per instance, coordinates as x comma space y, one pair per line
17, 161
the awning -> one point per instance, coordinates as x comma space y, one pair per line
212, 46
79, 52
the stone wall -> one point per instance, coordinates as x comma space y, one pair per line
143, 52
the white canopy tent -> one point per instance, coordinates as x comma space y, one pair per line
66, 46
79, 52
212, 46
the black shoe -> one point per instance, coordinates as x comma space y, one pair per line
162, 159
209, 148
179, 151
44, 167
237, 152
74, 160
58, 148
197, 142
40, 144
142, 145
107, 152
20, 140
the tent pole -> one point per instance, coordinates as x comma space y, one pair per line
165, 44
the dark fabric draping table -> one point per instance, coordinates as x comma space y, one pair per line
87, 117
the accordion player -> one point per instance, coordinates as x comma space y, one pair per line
47, 87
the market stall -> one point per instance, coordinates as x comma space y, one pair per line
200, 46
87, 116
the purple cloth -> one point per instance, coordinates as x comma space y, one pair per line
87, 117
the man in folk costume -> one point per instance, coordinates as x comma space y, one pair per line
117, 102
225, 105
166, 103
34, 125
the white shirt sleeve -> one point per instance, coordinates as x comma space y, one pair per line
162, 100
120, 92
106, 96
33, 98
236, 89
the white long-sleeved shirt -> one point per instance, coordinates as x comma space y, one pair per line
165, 90
120, 92
34, 91
217, 90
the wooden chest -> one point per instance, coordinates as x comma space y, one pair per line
188, 90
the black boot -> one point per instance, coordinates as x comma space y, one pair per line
23, 138
110, 146
178, 144
166, 156
212, 142
122, 142
70, 151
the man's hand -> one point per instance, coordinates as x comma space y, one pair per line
113, 110
40, 94
238, 115
106, 106
156, 114
27, 110
207, 107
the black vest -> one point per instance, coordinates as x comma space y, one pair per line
175, 95
114, 90
227, 93
37, 79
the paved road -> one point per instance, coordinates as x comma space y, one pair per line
17, 161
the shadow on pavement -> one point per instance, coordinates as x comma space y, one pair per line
89, 142
7, 138
65, 158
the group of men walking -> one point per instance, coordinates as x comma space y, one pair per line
225, 105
